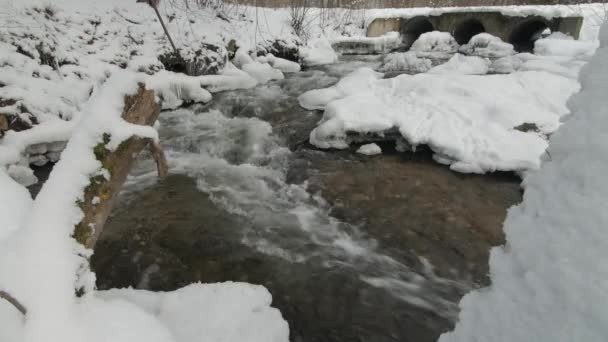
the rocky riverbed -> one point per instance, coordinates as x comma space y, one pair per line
352, 247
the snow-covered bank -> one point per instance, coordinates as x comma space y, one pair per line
43, 266
549, 280
472, 121
54, 57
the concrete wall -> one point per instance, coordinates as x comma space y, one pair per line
401, 3
519, 31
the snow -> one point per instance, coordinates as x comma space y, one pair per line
467, 120
367, 45
279, 63
487, 45
233, 311
358, 80
318, 51
369, 149
463, 65
435, 44
405, 61
549, 280
558, 44
46, 224
89, 41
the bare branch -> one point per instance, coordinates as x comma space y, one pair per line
7, 296
158, 154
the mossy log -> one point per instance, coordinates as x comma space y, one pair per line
101, 193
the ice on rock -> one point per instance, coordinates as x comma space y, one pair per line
356, 81
463, 65
405, 61
261, 72
559, 44
435, 44
506, 65
370, 149
318, 52
279, 63
468, 119
487, 45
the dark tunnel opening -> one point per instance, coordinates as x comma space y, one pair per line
467, 29
414, 28
525, 34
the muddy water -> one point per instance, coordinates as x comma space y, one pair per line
352, 248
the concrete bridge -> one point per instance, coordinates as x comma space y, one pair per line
517, 30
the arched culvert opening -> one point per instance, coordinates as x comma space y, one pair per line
467, 29
525, 34
414, 28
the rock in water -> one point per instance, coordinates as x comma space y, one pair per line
208, 59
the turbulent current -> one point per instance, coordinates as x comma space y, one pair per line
247, 153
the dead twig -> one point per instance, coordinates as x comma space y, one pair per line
7, 296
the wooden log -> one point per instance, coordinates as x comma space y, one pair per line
101, 193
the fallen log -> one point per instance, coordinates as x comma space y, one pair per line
101, 193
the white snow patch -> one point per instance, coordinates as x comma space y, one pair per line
319, 51
549, 280
467, 120
370, 149
405, 61
463, 65
487, 45
435, 44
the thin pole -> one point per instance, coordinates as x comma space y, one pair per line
151, 3
15, 302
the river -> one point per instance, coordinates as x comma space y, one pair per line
352, 248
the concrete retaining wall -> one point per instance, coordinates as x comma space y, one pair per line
401, 3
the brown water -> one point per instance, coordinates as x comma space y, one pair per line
352, 248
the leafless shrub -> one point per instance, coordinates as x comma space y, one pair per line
300, 16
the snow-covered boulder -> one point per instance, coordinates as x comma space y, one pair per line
278, 63
281, 48
463, 65
370, 150
261, 72
435, 44
559, 44
207, 59
487, 45
467, 120
318, 52
405, 61
506, 65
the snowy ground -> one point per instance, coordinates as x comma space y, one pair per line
549, 280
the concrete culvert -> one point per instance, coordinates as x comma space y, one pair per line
525, 34
414, 28
467, 29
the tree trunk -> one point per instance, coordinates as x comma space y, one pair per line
101, 193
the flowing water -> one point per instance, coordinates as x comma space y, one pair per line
351, 247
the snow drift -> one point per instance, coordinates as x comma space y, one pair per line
549, 280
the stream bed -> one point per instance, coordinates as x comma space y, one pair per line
351, 247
